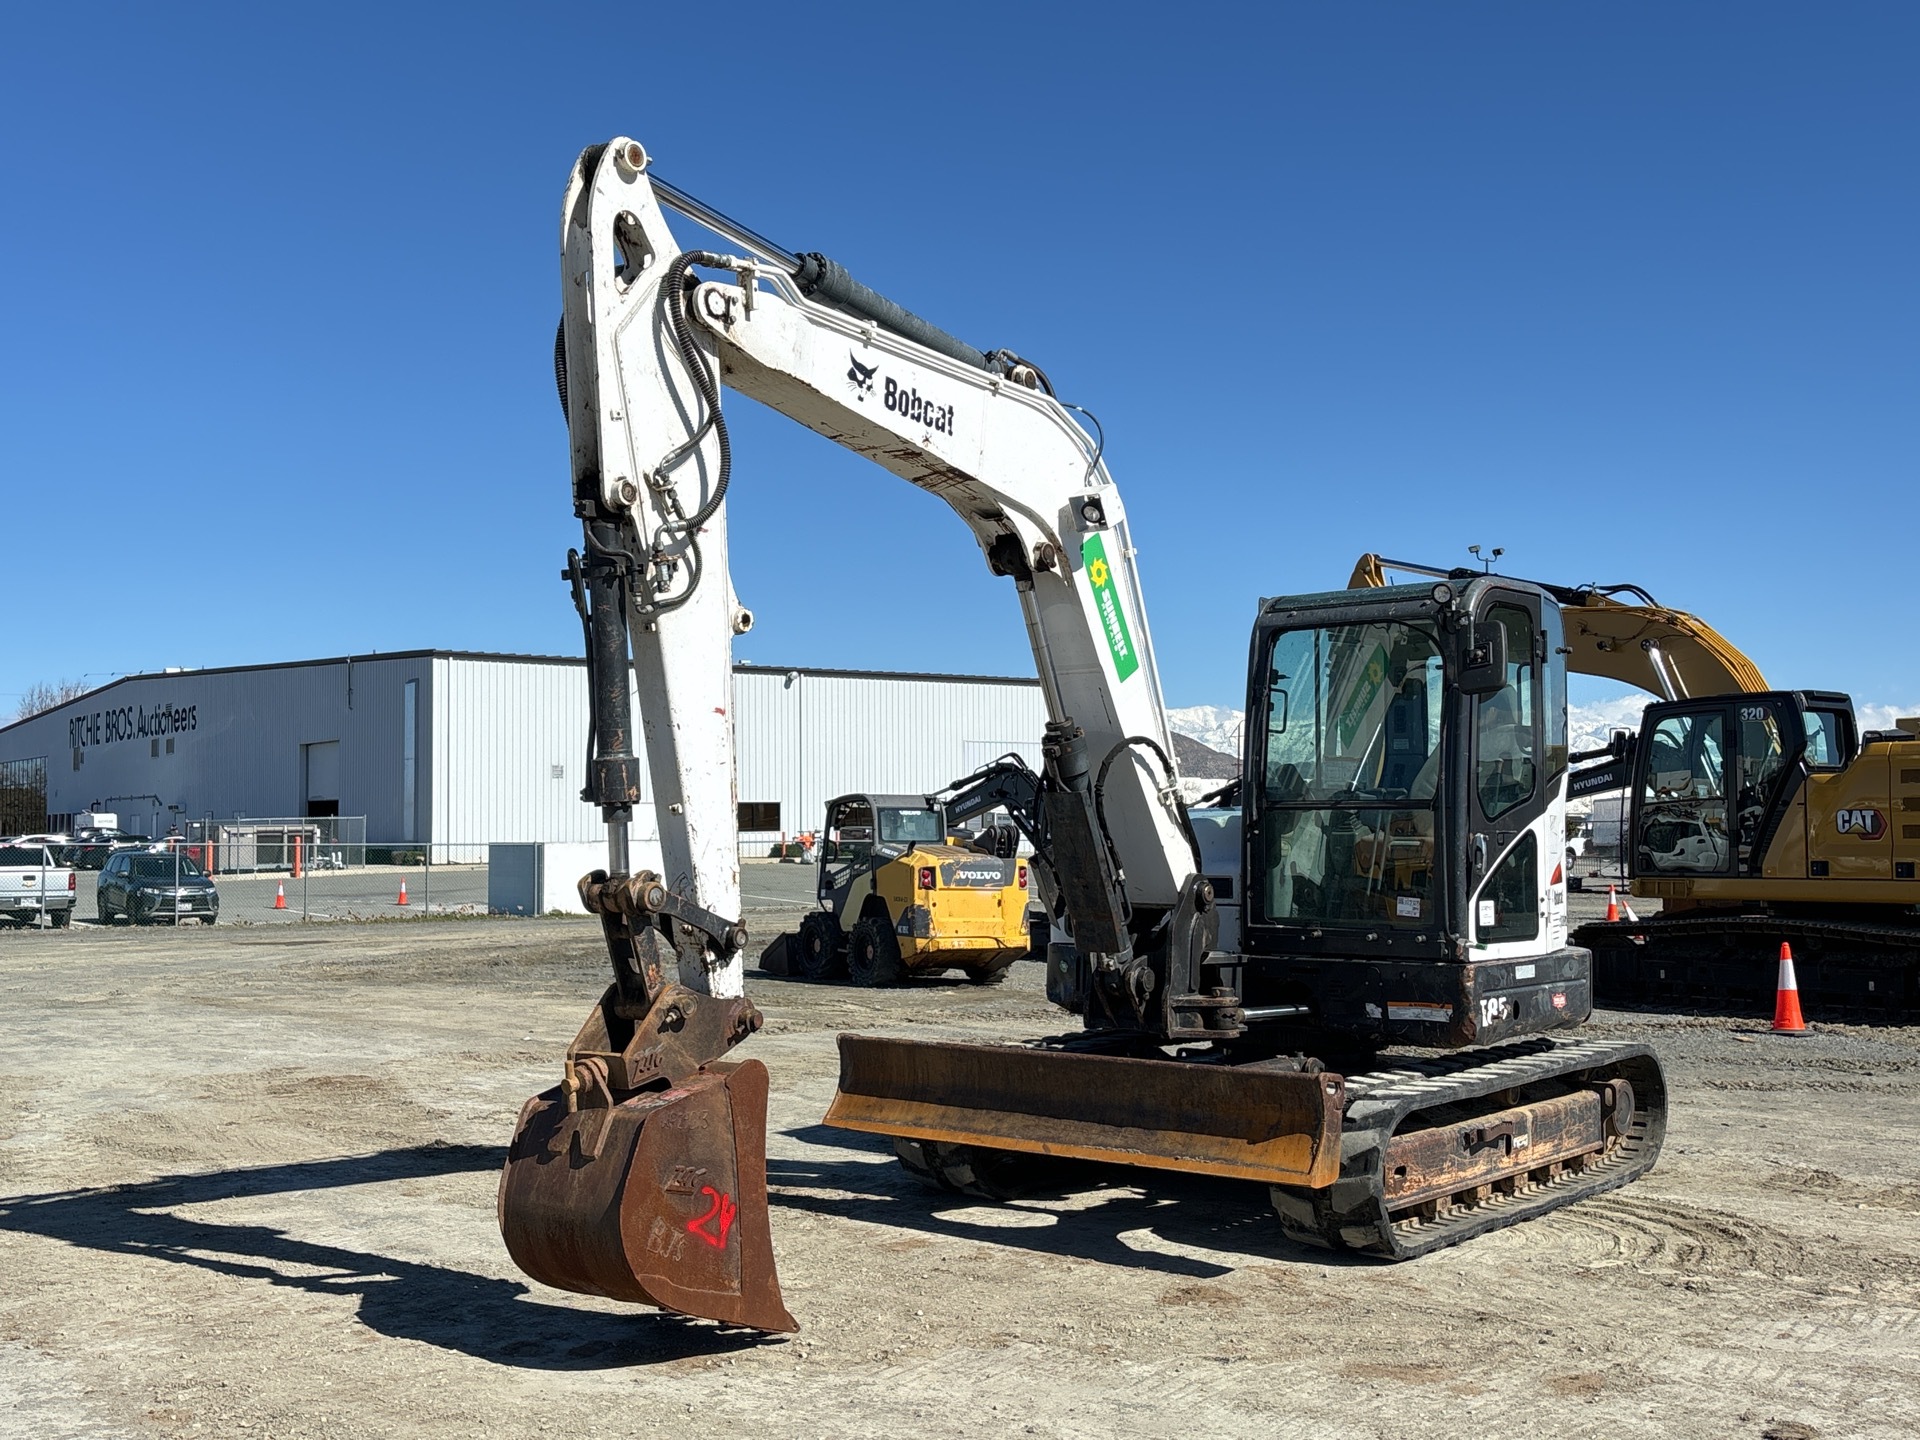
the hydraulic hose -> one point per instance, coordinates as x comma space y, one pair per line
1100, 795
703, 380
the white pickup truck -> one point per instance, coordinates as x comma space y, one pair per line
32, 885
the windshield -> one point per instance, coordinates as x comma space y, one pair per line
911, 827
1353, 712
1349, 776
161, 867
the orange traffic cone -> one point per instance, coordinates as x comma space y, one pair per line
279, 897
1613, 906
403, 894
1787, 1019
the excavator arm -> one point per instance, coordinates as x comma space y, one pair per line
1668, 653
981, 431
641, 1175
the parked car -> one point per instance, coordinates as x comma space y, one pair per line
148, 885
1579, 842
91, 849
33, 883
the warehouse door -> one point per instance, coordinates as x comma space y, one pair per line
321, 763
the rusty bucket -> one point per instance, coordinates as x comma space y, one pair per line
660, 1199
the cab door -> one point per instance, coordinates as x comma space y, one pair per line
1685, 824
1514, 788
847, 861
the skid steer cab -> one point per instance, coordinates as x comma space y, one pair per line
898, 899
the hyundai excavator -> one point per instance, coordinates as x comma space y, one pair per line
1756, 816
1397, 884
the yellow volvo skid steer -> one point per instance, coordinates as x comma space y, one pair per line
897, 899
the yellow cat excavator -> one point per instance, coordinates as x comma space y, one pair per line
1390, 880
1756, 816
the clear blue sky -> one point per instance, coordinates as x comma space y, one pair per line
1630, 290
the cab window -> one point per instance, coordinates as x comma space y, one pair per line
1823, 740
1762, 758
849, 841
1554, 721
1683, 799
1505, 770
911, 827
1353, 712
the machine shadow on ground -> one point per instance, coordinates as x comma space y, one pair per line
483, 1316
1227, 1217
494, 1319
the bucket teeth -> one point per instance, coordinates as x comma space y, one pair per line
660, 1199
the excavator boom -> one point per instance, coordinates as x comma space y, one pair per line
1665, 652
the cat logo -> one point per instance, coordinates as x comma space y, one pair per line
1865, 823
861, 376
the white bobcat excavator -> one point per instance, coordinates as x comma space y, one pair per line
1396, 882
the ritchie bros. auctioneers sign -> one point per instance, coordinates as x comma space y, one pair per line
130, 722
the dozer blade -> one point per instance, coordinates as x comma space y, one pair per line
1276, 1126
661, 1199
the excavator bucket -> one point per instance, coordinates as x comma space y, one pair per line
661, 1199
1271, 1124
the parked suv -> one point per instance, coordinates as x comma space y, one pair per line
91, 849
146, 885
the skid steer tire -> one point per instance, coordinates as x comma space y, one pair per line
819, 951
873, 953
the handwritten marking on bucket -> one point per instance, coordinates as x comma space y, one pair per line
602, 1200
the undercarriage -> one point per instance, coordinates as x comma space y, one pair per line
1393, 1162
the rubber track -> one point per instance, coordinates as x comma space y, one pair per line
1846, 949
1352, 1213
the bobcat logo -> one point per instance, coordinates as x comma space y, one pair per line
861, 376
1866, 824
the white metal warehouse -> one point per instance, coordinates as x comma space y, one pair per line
456, 749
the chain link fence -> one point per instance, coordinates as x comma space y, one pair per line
279, 870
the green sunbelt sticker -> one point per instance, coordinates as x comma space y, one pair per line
1365, 691
1106, 600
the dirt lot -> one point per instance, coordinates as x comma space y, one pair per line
247, 1185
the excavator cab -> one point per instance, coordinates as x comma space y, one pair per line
1772, 785
1759, 819
1404, 815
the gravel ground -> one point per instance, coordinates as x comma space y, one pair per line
247, 1182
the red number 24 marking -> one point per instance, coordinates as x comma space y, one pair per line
722, 1210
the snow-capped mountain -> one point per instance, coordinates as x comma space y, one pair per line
1591, 726
1588, 726
1214, 726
